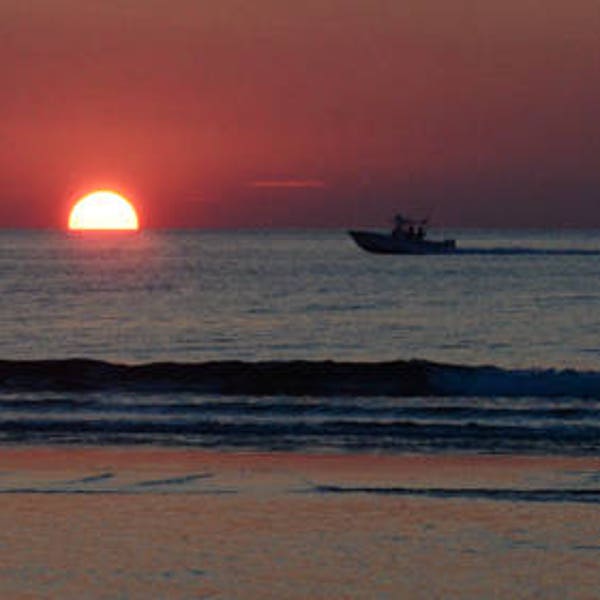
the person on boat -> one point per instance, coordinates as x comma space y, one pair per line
398, 231
411, 232
420, 233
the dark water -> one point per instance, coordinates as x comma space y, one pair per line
401, 407
227, 340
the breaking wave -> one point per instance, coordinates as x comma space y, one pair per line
399, 406
300, 378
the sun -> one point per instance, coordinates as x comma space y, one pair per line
103, 210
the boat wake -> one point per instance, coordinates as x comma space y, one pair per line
524, 251
299, 378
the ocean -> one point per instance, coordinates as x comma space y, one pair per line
278, 414
301, 341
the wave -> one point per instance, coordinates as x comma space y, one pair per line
343, 436
401, 378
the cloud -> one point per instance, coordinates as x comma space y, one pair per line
288, 183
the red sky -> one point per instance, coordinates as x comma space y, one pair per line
228, 113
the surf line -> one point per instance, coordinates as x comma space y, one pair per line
299, 378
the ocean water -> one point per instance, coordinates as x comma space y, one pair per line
493, 349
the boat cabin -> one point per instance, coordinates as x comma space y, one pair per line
409, 229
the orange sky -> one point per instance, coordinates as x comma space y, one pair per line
214, 113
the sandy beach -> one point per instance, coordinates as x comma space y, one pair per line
137, 523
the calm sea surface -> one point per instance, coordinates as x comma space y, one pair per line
524, 302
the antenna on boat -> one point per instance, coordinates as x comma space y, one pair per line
430, 213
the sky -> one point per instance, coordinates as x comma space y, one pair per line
320, 113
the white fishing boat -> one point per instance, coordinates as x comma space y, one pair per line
409, 236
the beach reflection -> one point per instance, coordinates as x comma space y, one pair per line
255, 528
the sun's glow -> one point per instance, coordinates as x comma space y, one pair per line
103, 210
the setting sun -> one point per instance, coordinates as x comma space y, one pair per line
103, 210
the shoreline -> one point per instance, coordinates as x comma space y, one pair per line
115, 467
103, 523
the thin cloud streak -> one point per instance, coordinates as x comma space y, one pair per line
289, 183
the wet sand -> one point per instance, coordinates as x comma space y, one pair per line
138, 523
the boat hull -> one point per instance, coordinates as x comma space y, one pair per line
381, 243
